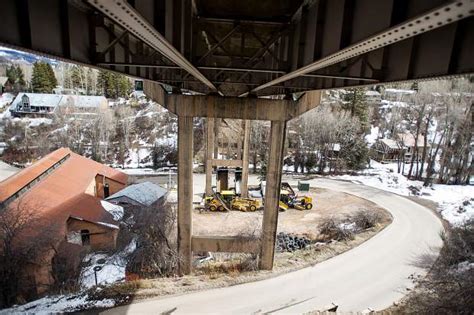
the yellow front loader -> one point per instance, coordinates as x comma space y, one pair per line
291, 200
246, 204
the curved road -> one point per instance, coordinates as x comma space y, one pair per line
372, 275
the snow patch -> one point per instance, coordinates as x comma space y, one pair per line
115, 210
372, 137
455, 202
113, 270
36, 122
59, 304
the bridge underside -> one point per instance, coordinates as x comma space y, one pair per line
247, 48
256, 47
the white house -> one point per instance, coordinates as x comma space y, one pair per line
40, 104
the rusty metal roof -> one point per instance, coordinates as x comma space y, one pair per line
62, 192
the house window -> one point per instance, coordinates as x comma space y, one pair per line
85, 237
106, 190
25, 103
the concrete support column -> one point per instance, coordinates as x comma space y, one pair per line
217, 124
210, 142
185, 192
239, 144
272, 194
244, 189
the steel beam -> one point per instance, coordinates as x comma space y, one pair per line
202, 19
218, 44
235, 70
114, 42
433, 19
126, 16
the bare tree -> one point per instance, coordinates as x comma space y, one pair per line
259, 143
26, 240
155, 229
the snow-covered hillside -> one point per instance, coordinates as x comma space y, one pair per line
455, 202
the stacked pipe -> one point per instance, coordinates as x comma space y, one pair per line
288, 243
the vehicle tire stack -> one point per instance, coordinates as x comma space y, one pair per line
289, 243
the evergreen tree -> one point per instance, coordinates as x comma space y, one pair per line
113, 85
16, 78
103, 83
43, 79
355, 102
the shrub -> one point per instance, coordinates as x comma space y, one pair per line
449, 287
335, 230
156, 254
366, 219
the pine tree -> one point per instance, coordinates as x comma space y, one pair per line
102, 83
113, 85
77, 78
43, 79
16, 78
355, 102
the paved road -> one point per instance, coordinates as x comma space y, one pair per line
7, 170
374, 274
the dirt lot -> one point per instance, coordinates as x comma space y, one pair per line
327, 203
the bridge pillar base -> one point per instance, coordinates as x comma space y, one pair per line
272, 194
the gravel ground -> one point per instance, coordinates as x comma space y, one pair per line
327, 203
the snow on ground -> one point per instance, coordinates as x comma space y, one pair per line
391, 104
113, 270
115, 210
35, 122
6, 99
373, 136
59, 304
170, 140
148, 171
399, 91
455, 202
5, 114
137, 155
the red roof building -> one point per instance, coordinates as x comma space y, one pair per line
65, 191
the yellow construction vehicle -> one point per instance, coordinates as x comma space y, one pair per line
227, 196
227, 200
282, 206
291, 200
213, 204
246, 204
